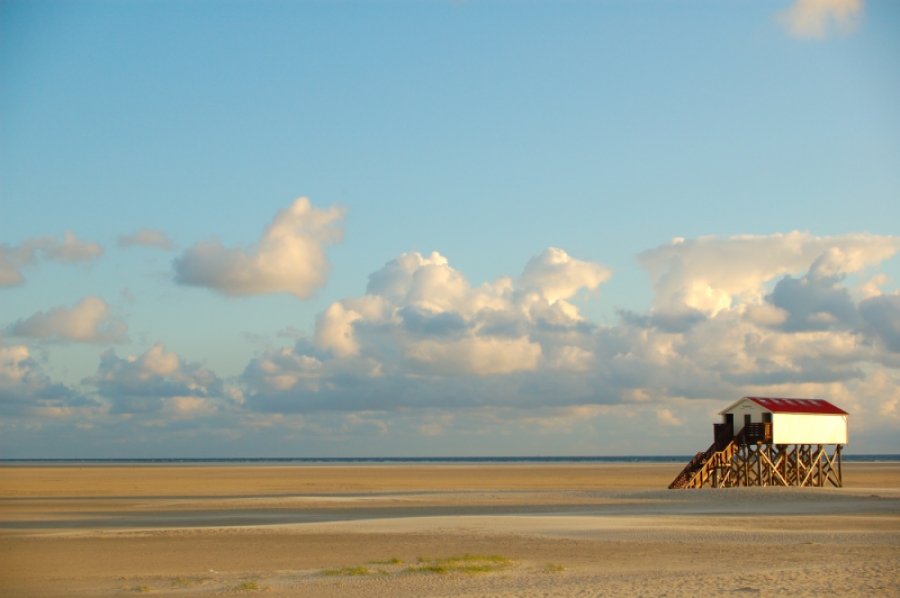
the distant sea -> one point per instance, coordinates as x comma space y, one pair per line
424, 460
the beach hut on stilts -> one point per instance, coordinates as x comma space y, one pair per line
771, 442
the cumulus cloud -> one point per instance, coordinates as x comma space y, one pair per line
424, 348
282, 369
429, 313
69, 249
817, 301
155, 381
559, 276
421, 319
288, 258
146, 237
88, 321
818, 18
479, 356
732, 317
882, 313
709, 274
26, 391
807, 337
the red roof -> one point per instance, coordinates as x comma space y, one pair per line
798, 406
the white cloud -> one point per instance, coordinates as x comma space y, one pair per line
559, 276
817, 18
281, 370
146, 237
288, 258
422, 320
12, 258
68, 250
572, 358
155, 381
474, 355
425, 312
710, 274
176, 408
665, 417
26, 391
89, 321
334, 330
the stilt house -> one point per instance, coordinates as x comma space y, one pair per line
771, 442
792, 421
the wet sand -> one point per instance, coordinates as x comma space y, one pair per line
561, 530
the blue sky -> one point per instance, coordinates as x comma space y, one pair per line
551, 151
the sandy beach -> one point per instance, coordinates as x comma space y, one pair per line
406, 530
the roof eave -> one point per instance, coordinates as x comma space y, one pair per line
735, 404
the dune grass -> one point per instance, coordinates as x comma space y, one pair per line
347, 571
248, 585
467, 563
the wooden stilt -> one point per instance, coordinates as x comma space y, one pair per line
840, 472
742, 464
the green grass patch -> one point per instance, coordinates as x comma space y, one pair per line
467, 563
347, 571
467, 558
248, 585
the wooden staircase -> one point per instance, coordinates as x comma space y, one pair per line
706, 465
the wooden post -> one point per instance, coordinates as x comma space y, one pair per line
821, 482
759, 473
840, 473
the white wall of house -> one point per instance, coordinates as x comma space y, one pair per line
805, 428
742, 408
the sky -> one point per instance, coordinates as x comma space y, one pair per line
462, 228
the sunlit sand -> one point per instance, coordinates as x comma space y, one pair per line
440, 530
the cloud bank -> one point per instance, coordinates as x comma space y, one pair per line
426, 353
764, 315
288, 258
